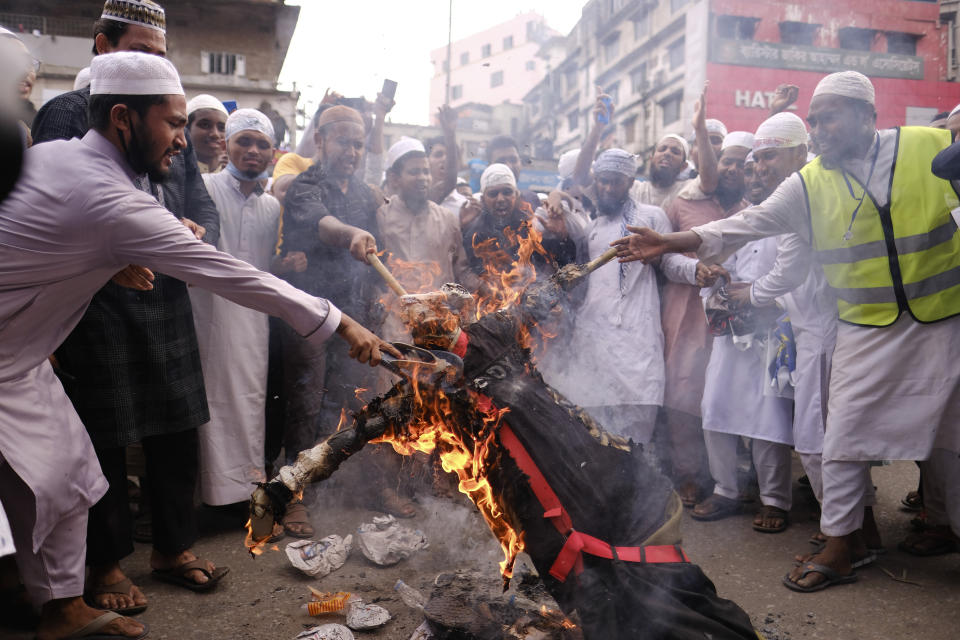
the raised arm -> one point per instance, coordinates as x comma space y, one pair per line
709, 176
338, 234
581, 173
447, 118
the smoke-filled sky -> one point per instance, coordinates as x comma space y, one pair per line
352, 46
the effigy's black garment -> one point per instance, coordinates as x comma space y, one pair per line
610, 493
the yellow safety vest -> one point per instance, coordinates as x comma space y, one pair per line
904, 256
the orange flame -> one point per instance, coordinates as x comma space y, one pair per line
255, 548
463, 453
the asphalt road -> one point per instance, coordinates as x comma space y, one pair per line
260, 599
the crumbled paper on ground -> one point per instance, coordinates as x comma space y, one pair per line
326, 632
317, 558
422, 632
385, 542
362, 616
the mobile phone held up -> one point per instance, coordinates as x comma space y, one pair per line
389, 89
604, 118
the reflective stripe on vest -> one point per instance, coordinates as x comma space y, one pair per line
901, 257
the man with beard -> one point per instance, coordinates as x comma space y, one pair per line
79, 214
131, 366
331, 216
735, 401
415, 229
615, 364
502, 217
892, 259
206, 120
233, 340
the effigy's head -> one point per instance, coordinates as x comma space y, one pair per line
436, 318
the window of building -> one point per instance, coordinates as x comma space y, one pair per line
222, 63
573, 120
856, 39
905, 43
456, 92
611, 48
614, 92
571, 79
531, 65
641, 24
638, 79
677, 4
496, 78
671, 108
675, 54
485, 51
465, 58
630, 130
508, 43
798, 33
736, 27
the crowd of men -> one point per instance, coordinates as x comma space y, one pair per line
778, 291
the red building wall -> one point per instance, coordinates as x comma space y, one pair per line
894, 95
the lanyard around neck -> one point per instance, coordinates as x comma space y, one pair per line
873, 165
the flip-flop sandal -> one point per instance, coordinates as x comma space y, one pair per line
297, 514
720, 507
771, 511
122, 588
90, 631
943, 543
912, 502
817, 541
832, 578
865, 561
178, 575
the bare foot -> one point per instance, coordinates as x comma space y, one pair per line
60, 618
108, 576
165, 562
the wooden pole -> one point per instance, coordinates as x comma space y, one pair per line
374, 260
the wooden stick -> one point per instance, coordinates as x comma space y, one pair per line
385, 274
601, 260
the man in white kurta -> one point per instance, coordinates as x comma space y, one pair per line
614, 367
894, 391
74, 220
736, 402
233, 339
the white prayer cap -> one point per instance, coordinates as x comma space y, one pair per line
567, 163
616, 160
402, 147
144, 13
206, 101
131, 73
850, 84
83, 79
749, 158
248, 120
779, 131
6, 33
683, 143
496, 175
955, 111
715, 126
737, 139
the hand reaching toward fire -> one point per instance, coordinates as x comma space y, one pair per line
362, 243
646, 245
707, 276
738, 293
365, 346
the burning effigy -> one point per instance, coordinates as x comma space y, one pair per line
599, 522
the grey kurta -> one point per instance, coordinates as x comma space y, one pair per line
74, 220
